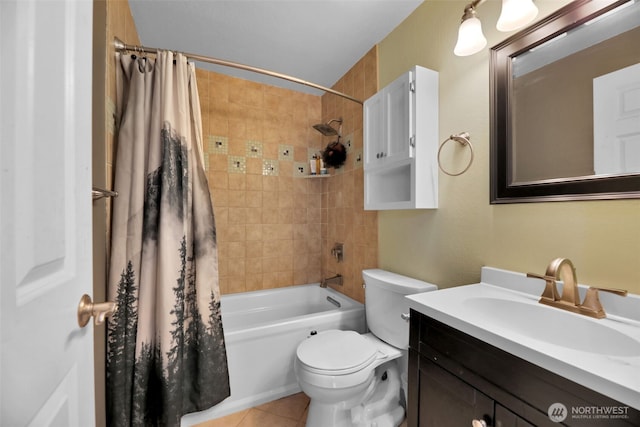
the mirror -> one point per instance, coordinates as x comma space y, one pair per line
565, 106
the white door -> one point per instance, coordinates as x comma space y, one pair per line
46, 360
616, 122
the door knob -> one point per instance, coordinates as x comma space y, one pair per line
99, 311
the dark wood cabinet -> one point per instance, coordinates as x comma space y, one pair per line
506, 418
455, 379
440, 389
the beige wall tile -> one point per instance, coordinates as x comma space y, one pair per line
264, 220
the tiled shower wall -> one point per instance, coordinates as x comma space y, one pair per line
343, 193
268, 217
276, 228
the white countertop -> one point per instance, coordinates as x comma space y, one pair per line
604, 354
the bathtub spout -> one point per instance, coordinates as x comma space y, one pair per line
336, 280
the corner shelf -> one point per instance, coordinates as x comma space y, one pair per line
312, 176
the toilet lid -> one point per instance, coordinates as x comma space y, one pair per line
338, 352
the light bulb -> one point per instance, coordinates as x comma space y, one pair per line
470, 37
516, 14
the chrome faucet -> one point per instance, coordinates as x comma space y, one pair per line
563, 269
337, 280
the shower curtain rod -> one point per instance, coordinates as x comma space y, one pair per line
121, 46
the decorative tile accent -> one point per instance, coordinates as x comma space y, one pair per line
253, 149
270, 167
206, 162
285, 152
347, 141
300, 169
358, 158
218, 144
237, 164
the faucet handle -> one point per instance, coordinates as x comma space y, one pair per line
620, 292
592, 300
550, 289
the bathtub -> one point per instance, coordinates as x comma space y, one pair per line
262, 330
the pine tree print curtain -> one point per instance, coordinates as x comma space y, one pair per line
165, 348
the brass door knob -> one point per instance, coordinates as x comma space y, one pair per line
99, 311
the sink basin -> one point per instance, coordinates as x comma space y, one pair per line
555, 326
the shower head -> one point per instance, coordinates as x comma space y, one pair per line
326, 129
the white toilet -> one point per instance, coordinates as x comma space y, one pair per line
358, 380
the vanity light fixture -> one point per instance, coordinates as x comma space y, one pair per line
470, 37
515, 14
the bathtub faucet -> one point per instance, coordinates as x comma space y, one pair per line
336, 280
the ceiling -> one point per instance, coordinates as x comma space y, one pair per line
313, 40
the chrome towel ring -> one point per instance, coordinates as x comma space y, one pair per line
464, 140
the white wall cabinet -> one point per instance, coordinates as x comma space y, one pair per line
388, 124
401, 143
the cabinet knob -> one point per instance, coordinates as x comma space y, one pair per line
478, 423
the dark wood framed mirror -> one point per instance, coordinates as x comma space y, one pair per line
565, 106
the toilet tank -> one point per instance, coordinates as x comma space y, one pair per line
385, 302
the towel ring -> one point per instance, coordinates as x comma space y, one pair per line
462, 139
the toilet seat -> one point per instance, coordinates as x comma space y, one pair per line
335, 352
340, 359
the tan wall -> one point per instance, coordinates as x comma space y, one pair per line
448, 246
347, 222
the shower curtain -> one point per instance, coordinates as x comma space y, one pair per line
165, 346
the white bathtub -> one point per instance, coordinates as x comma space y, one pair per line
262, 330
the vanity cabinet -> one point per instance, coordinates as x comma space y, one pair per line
455, 379
441, 389
401, 143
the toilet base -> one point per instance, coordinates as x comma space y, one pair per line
380, 407
323, 415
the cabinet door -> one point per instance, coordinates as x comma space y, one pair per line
445, 400
399, 118
374, 131
506, 418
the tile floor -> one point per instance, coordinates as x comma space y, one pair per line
290, 411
